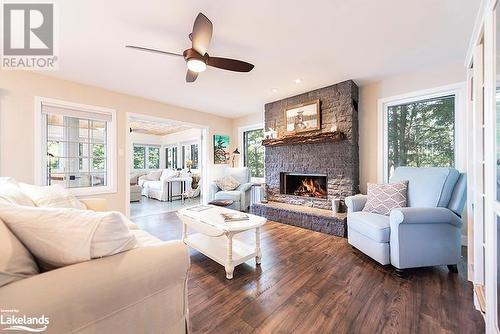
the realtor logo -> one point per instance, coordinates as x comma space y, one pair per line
28, 36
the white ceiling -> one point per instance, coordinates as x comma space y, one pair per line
156, 128
321, 42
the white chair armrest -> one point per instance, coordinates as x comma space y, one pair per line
355, 203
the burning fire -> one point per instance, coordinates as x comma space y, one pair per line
310, 188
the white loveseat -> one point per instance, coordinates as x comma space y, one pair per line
165, 186
143, 290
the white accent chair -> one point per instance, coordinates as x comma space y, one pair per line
426, 233
241, 196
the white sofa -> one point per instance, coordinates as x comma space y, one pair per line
170, 184
143, 290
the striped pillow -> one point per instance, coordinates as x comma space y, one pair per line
382, 198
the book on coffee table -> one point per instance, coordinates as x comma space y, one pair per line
199, 208
236, 216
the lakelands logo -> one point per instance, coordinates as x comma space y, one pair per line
28, 36
12, 320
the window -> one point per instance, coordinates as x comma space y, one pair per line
171, 153
146, 157
190, 152
420, 133
253, 152
76, 145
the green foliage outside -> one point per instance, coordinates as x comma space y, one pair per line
153, 157
98, 160
139, 157
421, 134
254, 152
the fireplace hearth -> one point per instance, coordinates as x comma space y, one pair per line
305, 185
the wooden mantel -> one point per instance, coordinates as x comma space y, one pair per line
305, 139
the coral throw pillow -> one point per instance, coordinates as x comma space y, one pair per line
382, 198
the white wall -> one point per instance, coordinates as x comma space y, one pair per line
368, 110
18, 90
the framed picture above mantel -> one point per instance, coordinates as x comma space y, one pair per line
303, 117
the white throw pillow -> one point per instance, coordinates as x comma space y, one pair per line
54, 196
60, 236
10, 193
154, 175
227, 183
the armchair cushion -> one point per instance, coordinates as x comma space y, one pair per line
382, 198
427, 187
372, 225
241, 174
234, 195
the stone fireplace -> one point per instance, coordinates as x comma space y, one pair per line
305, 171
336, 158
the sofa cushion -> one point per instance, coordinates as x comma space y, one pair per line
54, 196
12, 194
16, 261
382, 198
227, 183
428, 187
152, 185
234, 195
372, 225
60, 236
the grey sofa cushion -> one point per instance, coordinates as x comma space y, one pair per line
372, 225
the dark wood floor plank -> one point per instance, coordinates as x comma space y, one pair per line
311, 282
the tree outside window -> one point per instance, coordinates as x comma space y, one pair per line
139, 157
153, 157
421, 133
254, 152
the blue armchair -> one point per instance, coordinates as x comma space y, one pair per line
426, 233
241, 195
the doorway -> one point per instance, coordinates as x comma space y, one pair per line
166, 165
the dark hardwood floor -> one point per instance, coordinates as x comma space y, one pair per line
311, 282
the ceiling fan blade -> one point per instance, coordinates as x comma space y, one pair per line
153, 50
202, 34
191, 76
230, 64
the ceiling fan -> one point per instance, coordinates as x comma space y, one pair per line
197, 57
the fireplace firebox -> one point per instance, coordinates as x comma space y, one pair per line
305, 185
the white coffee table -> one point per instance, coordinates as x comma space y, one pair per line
214, 236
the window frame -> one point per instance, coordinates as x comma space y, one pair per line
146, 156
182, 153
457, 90
241, 145
40, 161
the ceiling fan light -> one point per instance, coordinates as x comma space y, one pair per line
196, 65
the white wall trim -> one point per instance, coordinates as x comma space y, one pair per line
111, 161
458, 89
